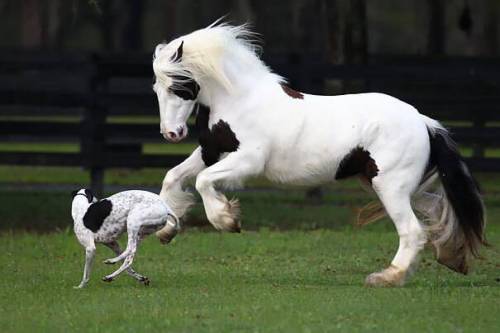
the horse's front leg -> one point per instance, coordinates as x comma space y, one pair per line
223, 214
172, 192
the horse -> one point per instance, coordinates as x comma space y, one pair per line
256, 125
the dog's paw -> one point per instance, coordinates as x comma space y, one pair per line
109, 262
144, 280
107, 279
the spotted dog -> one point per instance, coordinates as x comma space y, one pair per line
139, 213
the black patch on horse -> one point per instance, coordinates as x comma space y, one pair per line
215, 141
96, 214
357, 162
185, 87
292, 93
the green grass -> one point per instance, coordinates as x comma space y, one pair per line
50, 147
298, 266
47, 211
264, 281
57, 147
490, 182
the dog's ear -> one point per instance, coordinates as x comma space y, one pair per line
178, 54
74, 193
90, 195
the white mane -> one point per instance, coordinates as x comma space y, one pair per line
204, 51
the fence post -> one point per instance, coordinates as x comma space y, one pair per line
93, 139
92, 146
478, 148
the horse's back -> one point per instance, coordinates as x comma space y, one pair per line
335, 125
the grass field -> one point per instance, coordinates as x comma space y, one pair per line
266, 281
299, 266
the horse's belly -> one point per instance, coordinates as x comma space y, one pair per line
311, 168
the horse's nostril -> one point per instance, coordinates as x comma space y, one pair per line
181, 131
172, 135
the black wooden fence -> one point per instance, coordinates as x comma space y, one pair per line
94, 87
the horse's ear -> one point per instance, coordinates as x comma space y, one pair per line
158, 48
178, 54
90, 195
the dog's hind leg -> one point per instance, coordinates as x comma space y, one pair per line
89, 258
120, 255
129, 253
115, 247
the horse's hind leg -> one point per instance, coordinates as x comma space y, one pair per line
412, 238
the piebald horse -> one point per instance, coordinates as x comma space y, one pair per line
257, 125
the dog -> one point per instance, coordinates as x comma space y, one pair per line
139, 213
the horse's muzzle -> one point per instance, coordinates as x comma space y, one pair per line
175, 136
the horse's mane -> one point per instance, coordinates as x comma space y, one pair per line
203, 51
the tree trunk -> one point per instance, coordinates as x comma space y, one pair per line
132, 32
31, 23
347, 32
436, 33
355, 33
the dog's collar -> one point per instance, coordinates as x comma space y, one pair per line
83, 194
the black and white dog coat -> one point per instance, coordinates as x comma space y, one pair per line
139, 213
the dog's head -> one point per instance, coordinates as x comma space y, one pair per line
82, 199
84, 192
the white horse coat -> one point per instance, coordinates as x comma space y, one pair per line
258, 126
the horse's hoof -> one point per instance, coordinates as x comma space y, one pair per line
229, 219
166, 234
231, 225
389, 277
456, 260
107, 279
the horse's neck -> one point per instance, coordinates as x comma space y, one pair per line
248, 88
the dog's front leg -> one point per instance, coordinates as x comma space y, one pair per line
89, 258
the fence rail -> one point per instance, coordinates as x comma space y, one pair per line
89, 88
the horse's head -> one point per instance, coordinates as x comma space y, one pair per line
176, 90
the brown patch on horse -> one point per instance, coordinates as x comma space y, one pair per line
292, 93
215, 141
357, 162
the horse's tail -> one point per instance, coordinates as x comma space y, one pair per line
454, 211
